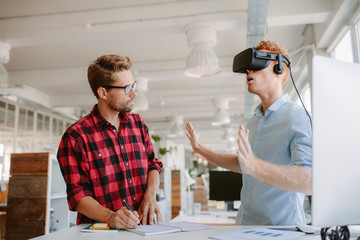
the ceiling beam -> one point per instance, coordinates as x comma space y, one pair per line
90, 25
294, 12
326, 32
10, 8
153, 70
144, 19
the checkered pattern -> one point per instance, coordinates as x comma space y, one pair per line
107, 165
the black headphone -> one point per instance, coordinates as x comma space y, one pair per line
278, 68
251, 59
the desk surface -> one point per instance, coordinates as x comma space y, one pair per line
209, 218
74, 233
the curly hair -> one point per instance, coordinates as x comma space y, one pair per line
276, 48
100, 71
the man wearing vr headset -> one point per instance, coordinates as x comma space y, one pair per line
275, 151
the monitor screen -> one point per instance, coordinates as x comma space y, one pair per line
336, 142
224, 185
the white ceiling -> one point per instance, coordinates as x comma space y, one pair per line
54, 41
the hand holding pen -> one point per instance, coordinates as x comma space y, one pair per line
123, 218
127, 205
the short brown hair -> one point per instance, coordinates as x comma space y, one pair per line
276, 48
100, 71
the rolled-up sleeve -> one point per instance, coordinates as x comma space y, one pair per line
74, 167
301, 144
154, 163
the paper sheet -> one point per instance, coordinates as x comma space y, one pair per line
259, 234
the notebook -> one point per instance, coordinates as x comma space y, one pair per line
164, 228
188, 226
99, 227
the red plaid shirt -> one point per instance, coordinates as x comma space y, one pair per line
107, 165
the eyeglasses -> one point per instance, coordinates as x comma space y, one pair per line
127, 88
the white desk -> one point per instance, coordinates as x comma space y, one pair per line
75, 234
209, 218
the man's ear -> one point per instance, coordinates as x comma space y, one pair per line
285, 76
102, 93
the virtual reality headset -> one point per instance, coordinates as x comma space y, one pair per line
251, 59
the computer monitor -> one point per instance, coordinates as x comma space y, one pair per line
336, 142
224, 185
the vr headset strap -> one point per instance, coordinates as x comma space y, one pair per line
272, 56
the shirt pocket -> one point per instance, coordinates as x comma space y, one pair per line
103, 168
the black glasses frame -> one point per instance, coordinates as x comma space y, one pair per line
127, 88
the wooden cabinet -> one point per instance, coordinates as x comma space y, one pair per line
181, 196
175, 193
37, 201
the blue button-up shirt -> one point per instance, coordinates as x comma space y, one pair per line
284, 137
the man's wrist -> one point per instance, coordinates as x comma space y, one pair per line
150, 193
198, 149
256, 166
238, 161
109, 216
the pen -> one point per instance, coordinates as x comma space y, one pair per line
129, 208
155, 221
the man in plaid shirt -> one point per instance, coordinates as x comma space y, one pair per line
107, 157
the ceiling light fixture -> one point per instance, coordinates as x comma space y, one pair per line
176, 129
228, 135
221, 117
161, 100
202, 60
4, 58
141, 101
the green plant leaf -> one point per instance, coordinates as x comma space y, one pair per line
156, 138
163, 151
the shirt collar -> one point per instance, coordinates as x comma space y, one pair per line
99, 119
273, 108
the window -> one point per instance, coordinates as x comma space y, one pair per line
343, 51
26, 129
306, 97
